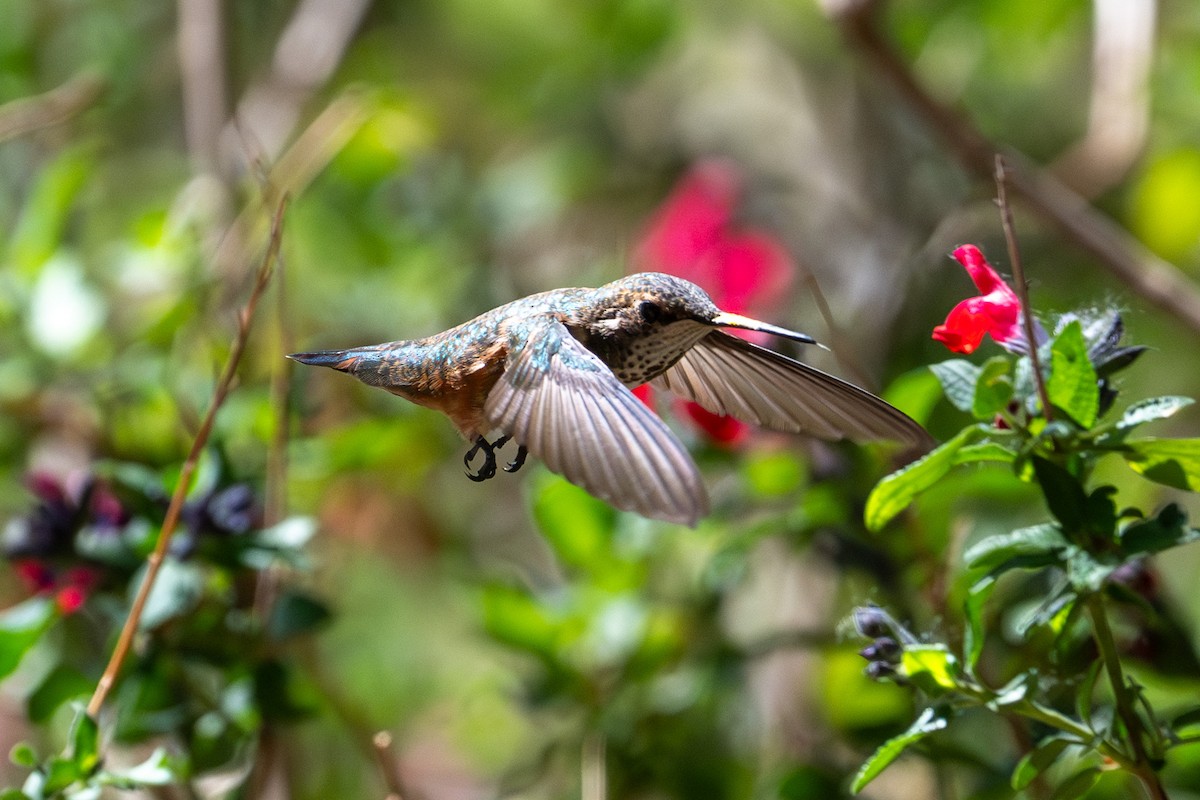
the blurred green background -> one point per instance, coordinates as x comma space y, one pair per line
516, 638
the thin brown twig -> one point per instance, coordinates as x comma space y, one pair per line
28, 114
1014, 259
381, 747
155, 560
1156, 280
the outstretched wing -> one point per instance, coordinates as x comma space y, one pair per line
566, 407
728, 375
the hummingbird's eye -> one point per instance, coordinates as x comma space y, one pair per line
650, 311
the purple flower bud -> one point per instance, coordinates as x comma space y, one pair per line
872, 621
885, 649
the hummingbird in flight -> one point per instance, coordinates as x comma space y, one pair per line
554, 372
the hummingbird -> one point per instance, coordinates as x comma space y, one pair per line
554, 372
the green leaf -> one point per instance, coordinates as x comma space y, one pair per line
930, 721
85, 742
578, 526
1072, 384
60, 773
1052, 612
20, 627
1152, 409
39, 232
894, 493
916, 392
62, 684
1173, 462
1166, 529
977, 596
984, 451
931, 667
1035, 546
296, 613
1087, 688
23, 755
993, 389
513, 617
958, 377
1085, 571
1063, 494
157, 770
13, 794
1185, 720
1036, 761
1077, 785
176, 591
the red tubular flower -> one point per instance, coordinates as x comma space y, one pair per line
996, 311
693, 235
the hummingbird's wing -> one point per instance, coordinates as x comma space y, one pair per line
728, 375
567, 407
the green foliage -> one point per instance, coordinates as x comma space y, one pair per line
1093, 553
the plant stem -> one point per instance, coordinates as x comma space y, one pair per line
1102, 633
1014, 258
155, 559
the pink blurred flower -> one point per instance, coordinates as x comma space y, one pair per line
745, 270
995, 311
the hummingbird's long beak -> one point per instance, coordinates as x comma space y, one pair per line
726, 320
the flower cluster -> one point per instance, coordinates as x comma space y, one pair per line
78, 537
42, 546
695, 235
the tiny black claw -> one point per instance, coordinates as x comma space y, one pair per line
488, 468
517, 462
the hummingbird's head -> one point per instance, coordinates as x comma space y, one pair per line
654, 299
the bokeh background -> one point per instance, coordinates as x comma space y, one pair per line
517, 639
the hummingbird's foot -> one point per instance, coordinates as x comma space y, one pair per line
488, 469
517, 462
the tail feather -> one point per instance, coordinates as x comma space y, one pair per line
341, 360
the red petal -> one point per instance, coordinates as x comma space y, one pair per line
753, 271
692, 220
70, 599
645, 394
717, 428
963, 329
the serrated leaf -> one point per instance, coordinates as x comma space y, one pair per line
984, 451
930, 721
894, 493
1152, 409
1072, 386
1036, 761
1038, 545
1173, 462
958, 378
993, 389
